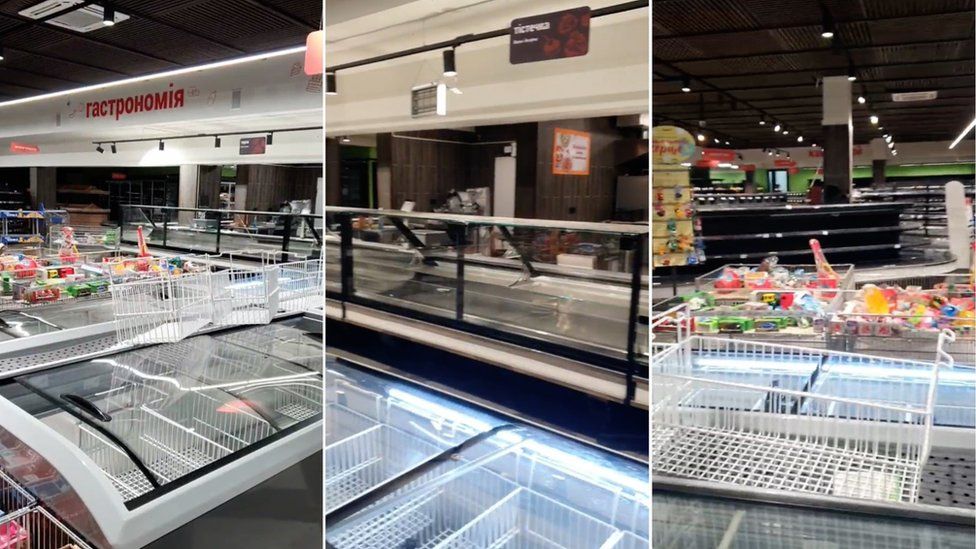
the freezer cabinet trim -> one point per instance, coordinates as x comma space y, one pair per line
125, 528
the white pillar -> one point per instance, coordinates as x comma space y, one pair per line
838, 133
189, 189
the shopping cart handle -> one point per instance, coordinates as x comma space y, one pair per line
87, 406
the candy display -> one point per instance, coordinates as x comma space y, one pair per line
675, 229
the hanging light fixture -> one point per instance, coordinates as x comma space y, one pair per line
686, 84
217, 142
827, 27
330, 84
270, 139
762, 121
874, 119
108, 15
450, 69
162, 146
114, 148
851, 73
1, 53
99, 149
861, 99
776, 128
701, 137
799, 139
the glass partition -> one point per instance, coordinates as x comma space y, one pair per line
579, 289
200, 230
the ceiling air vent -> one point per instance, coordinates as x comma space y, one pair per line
914, 96
84, 19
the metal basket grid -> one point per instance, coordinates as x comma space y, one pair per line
161, 309
284, 342
301, 284
244, 296
13, 498
765, 436
37, 529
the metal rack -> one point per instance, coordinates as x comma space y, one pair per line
24, 525
757, 435
162, 309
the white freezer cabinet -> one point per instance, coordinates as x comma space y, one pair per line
408, 468
127, 447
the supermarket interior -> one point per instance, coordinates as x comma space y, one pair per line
813, 359
161, 323
479, 305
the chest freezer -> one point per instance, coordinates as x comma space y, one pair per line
406, 467
129, 446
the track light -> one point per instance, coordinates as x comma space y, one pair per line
813, 144
685, 85
162, 146
874, 119
99, 149
727, 143
216, 141
770, 153
114, 149
861, 99
799, 139
894, 152
762, 121
701, 137
891, 145
776, 128
345, 139
1, 53
851, 73
270, 139
887, 138
450, 69
786, 132
827, 30
717, 140
108, 16
330, 84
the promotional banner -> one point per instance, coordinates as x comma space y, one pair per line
548, 36
719, 155
254, 145
570, 152
671, 145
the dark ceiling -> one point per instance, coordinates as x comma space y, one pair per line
160, 35
745, 57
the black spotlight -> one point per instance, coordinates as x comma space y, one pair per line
162, 146
216, 141
114, 149
330, 84
108, 16
99, 149
450, 69
270, 140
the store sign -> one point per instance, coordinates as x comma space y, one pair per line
23, 148
747, 167
671, 145
707, 164
570, 152
133, 104
793, 170
119, 176
722, 155
553, 35
784, 163
314, 56
254, 145
818, 153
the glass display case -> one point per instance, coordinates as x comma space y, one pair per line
136, 443
568, 288
408, 467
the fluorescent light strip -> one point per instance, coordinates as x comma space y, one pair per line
156, 76
963, 134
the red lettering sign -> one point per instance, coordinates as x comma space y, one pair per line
722, 155
816, 153
747, 167
118, 176
707, 163
784, 163
164, 100
794, 170
23, 148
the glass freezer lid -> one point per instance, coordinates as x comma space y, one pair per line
152, 416
493, 484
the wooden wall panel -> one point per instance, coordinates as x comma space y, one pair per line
208, 187
333, 177
269, 186
571, 197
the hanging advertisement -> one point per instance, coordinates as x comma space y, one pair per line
671, 145
570, 152
548, 36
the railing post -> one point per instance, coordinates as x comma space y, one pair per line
165, 224
217, 251
345, 255
459, 242
636, 268
286, 238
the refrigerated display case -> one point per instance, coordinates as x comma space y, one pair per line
411, 467
129, 445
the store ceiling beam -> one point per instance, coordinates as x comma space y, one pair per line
815, 70
469, 38
82, 36
184, 29
34, 53
813, 25
283, 14
865, 94
35, 74
828, 49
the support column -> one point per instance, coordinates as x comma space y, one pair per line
838, 136
189, 185
43, 187
879, 160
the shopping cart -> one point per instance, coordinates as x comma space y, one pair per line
767, 436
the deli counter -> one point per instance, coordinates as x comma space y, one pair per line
130, 445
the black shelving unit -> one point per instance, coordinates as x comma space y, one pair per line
926, 216
152, 192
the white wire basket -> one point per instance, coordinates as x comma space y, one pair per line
244, 296
766, 436
301, 285
161, 309
37, 529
